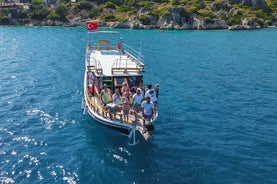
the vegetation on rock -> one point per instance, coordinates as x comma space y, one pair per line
164, 14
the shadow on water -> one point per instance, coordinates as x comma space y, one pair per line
108, 153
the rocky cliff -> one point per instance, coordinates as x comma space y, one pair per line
162, 14
227, 14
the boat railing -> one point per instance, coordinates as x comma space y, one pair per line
103, 47
94, 64
124, 66
98, 67
134, 54
97, 108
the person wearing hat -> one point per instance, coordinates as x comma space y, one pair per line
147, 109
151, 93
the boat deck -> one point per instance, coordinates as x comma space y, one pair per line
117, 116
111, 62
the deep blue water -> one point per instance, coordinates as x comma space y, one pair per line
217, 107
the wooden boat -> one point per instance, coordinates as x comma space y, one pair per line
111, 62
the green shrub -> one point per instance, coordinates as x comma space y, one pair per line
131, 3
175, 2
268, 22
23, 21
132, 12
59, 13
120, 19
110, 4
37, 10
206, 13
21, 14
82, 5
39, 14
146, 4
161, 12
122, 9
65, 2
234, 20
53, 15
208, 20
4, 20
92, 14
218, 2
108, 17
192, 9
161, 1
5, 12
145, 19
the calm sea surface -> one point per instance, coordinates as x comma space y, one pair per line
217, 106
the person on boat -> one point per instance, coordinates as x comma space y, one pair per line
105, 95
137, 103
117, 99
117, 102
131, 101
125, 106
90, 89
157, 87
141, 88
125, 88
133, 89
147, 109
151, 93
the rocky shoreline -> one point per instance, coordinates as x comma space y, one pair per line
195, 25
195, 15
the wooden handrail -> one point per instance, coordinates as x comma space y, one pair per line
91, 103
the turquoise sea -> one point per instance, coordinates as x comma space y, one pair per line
217, 109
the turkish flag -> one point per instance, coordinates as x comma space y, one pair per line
92, 26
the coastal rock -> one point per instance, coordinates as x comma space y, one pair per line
136, 25
219, 6
275, 20
254, 4
246, 25
259, 4
58, 23
204, 24
246, 3
171, 20
251, 23
235, 12
238, 27
118, 24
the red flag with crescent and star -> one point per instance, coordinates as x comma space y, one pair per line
92, 26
